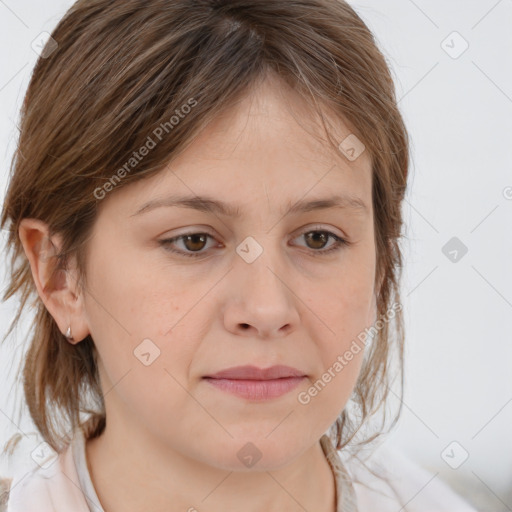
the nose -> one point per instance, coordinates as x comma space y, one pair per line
261, 301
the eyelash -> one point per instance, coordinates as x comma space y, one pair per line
338, 245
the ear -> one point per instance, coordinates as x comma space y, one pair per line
58, 288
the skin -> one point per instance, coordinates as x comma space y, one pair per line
171, 439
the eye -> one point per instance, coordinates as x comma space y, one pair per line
195, 243
318, 238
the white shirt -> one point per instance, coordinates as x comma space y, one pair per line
65, 485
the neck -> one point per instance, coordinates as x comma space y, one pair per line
131, 476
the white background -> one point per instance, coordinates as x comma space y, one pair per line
458, 315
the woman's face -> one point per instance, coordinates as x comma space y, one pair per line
260, 288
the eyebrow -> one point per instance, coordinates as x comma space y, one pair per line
209, 205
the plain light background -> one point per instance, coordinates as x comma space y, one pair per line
457, 104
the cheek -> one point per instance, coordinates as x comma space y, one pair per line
138, 324
344, 304
145, 367
323, 400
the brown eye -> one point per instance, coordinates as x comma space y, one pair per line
195, 242
317, 239
192, 244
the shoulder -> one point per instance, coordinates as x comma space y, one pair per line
52, 485
386, 479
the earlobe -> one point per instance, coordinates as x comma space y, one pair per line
56, 286
69, 335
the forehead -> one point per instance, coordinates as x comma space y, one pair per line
268, 145
272, 119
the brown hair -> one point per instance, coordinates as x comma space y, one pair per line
123, 68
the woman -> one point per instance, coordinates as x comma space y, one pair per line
206, 199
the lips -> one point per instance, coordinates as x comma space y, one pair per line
255, 373
257, 384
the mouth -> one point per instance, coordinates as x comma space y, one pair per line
257, 384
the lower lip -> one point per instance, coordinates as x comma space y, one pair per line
257, 389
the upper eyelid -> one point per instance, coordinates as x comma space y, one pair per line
300, 232
339, 242
314, 228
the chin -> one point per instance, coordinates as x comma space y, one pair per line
256, 453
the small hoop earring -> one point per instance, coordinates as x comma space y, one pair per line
68, 334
